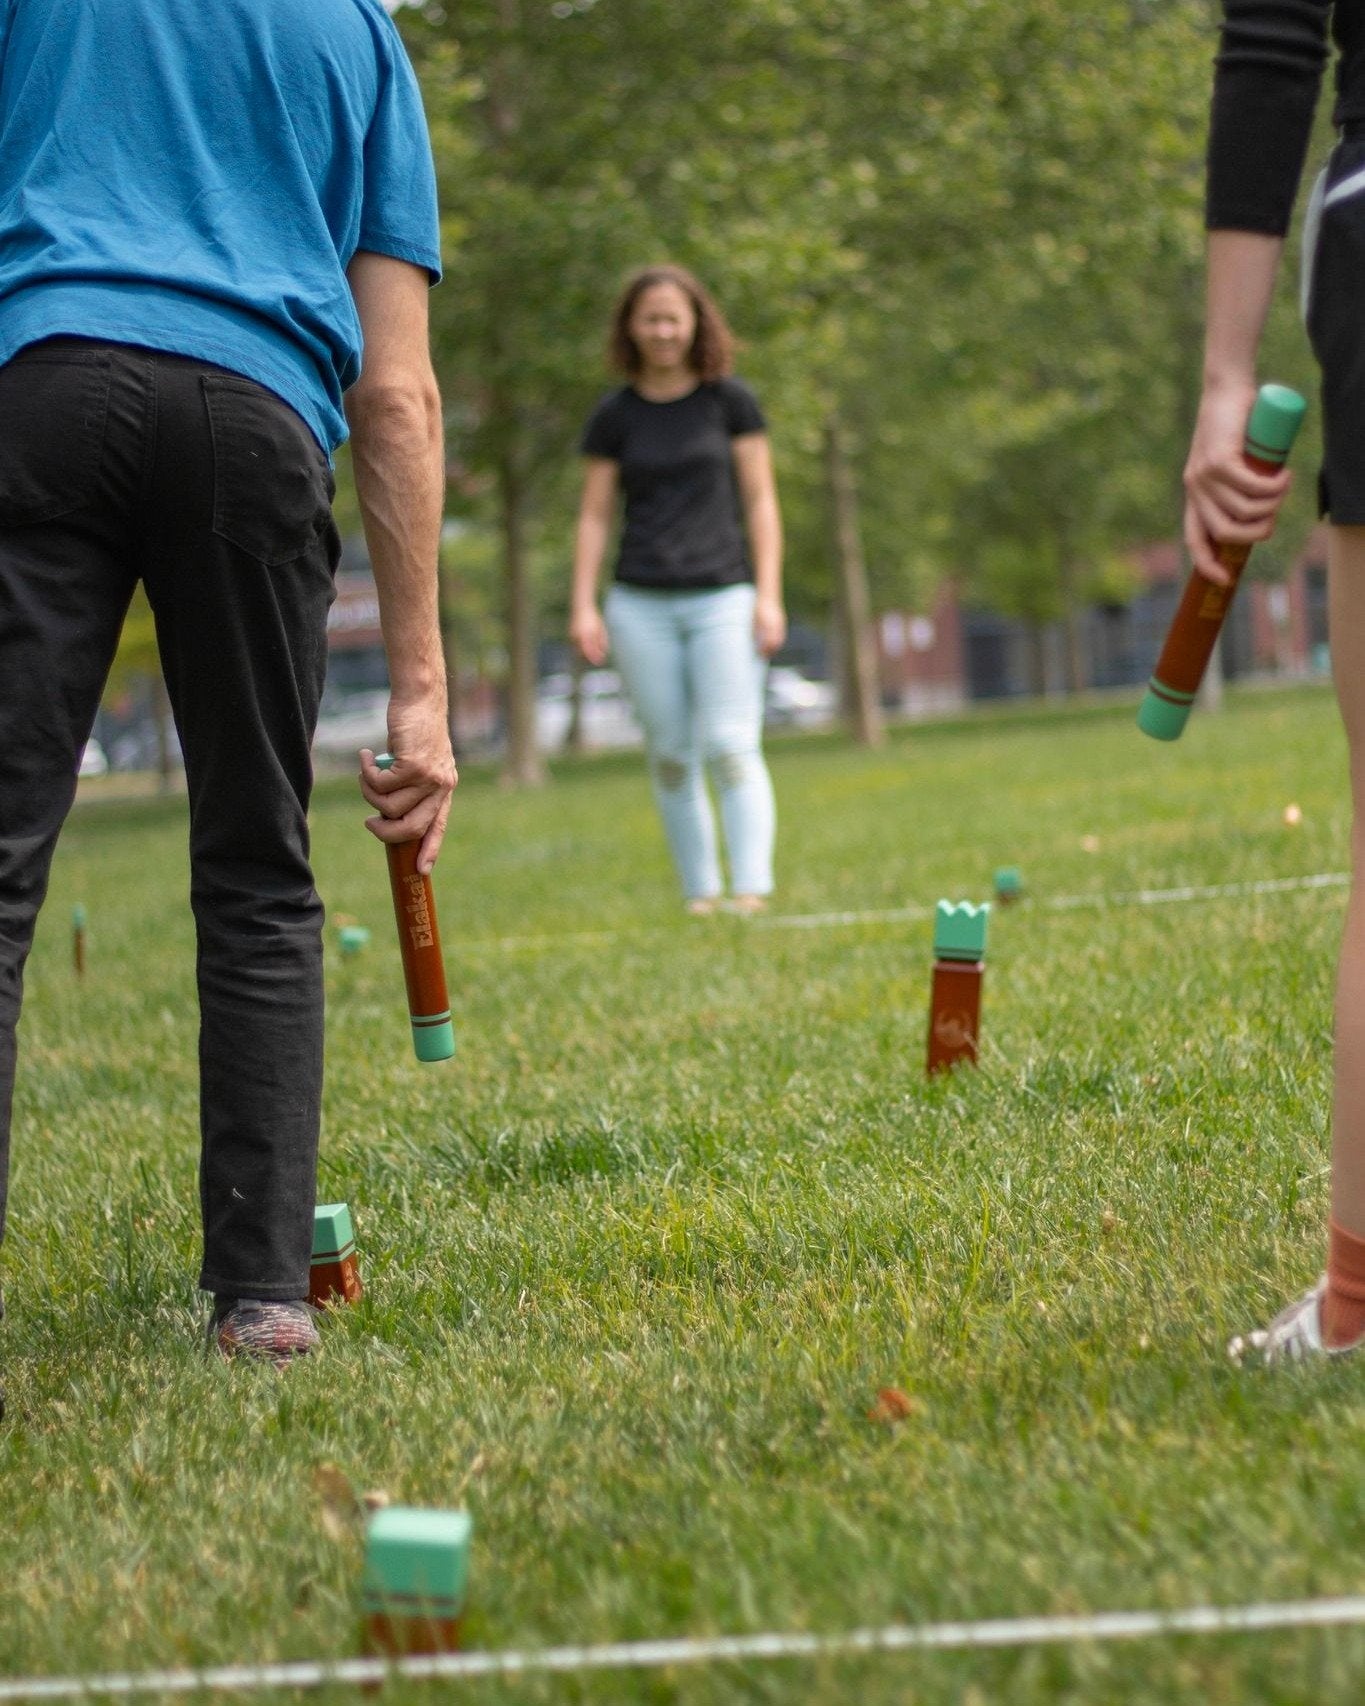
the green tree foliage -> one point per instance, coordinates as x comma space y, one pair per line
1034, 217
975, 226
971, 232
576, 142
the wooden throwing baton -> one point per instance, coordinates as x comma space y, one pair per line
433, 1034
1275, 419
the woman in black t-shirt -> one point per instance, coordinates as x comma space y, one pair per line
1265, 91
696, 608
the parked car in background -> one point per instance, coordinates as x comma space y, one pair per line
138, 747
350, 721
93, 762
794, 701
608, 719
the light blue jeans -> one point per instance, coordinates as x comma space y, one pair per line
695, 676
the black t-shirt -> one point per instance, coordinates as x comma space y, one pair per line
1270, 65
683, 527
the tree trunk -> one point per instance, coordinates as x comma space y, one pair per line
860, 686
1073, 624
573, 735
1077, 663
447, 590
161, 715
522, 766
504, 111
1037, 660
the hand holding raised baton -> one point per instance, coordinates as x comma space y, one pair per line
1271, 430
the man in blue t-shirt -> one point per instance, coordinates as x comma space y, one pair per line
208, 210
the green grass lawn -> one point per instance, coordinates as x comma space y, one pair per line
640, 1258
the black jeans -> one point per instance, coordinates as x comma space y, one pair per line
119, 464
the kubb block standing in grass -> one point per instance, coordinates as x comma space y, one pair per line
351, 939
334, 1273
1272, 428
959, 967
433, 1034
1009, 885
415, 1577
78, 939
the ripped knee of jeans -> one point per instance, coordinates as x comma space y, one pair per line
672, 773
729, 768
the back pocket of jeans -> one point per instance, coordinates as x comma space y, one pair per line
52, 415
272, 487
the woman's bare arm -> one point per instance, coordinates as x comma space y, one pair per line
596, 514
763, 518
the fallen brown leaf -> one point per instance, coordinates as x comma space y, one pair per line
893, 1406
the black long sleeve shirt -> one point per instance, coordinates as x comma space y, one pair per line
1265, 89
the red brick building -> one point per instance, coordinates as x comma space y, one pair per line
935, 660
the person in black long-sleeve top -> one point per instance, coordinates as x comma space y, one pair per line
1266, 86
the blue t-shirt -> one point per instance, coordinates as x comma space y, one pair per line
194, 176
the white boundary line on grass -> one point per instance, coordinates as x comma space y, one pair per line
917, 914
725, 1649
1206, 891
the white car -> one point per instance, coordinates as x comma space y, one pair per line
608, 719
93, 762
793, 700
359, 719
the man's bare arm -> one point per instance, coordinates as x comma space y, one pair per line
394, 411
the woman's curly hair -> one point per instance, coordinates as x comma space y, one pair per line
712, 354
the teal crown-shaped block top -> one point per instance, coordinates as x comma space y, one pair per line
960, 931
332, 1231
416, 1561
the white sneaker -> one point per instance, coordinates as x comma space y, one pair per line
1295, 1335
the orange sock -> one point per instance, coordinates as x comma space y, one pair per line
1343, 1303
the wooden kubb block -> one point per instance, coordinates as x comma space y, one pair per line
415, 1581
334, 1274
955, 997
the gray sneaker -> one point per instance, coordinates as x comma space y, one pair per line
269, 1332
1295, 1335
